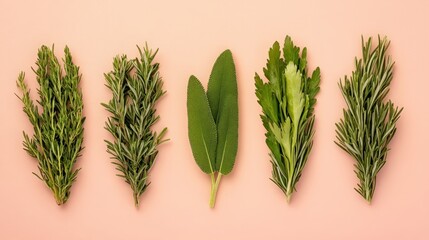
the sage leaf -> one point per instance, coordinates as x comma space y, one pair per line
223, 100
213, 121
201, 127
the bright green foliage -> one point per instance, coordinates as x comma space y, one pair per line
58, 129
368, 123
136, 86
287, 102
213, 121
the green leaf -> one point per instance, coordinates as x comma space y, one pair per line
136, 86
266, 99
223, 99
313, 83
274, 69
291, 52
287, 100
303, 61
295, 97
213, 121
201, 126
312, 88
58, 130
368, 123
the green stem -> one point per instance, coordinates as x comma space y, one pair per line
368, 186
136, 199
368, 197
289, 190
215, 186
58, 198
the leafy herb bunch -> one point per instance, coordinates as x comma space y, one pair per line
136, 86
58, 129
369, 123
287, 102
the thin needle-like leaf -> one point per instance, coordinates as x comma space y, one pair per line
136, 86
368, 123
58, 131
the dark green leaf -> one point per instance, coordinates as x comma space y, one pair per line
368, 123
223, 100
201, 127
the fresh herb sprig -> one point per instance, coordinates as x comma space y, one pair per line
58, 129
136, 86
369, 123
213, 121
287, 102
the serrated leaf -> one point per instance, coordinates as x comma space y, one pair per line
291, 52
295, 97
266, 98
288, 117
303, 61
274, 68
201, 127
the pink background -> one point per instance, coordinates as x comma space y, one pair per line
190, 35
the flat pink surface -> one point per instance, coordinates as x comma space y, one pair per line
190, 35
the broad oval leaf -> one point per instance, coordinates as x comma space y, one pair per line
223, 99
201, 126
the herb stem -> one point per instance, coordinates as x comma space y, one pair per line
215, 186
136, 199
369, 186
289, 190
58, 197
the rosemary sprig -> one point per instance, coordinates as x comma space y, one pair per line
369, 123
136, 86
58, 130
287, 102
